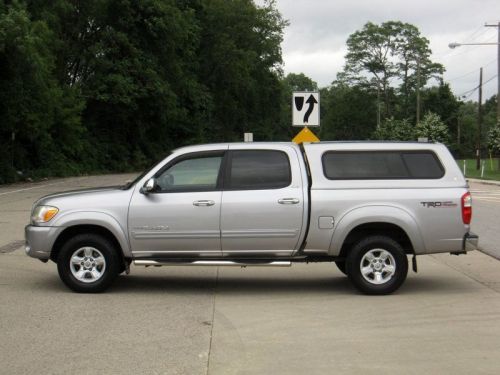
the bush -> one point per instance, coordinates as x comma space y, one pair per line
494, 139
432, 128
395, 130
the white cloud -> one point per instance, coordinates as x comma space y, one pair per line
314, 43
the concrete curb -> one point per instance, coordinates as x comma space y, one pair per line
484, 182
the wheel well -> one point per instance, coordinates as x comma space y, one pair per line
80, 229
387, 229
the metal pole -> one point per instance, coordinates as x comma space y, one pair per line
418, 91
378, 105
497, 25
479, 120
498, 76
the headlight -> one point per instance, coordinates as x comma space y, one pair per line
43, 214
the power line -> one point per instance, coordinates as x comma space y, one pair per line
474, 32
471, 72
471, 91
479, 35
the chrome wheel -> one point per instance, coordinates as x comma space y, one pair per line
377, 266
87, 264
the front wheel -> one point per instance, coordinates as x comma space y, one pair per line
377, 265
88, 263
341, 266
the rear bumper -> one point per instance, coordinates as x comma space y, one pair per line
470, 242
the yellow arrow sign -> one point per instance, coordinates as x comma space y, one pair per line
305, 135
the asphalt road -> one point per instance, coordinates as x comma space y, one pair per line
303, 319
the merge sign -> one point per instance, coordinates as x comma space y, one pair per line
305, 108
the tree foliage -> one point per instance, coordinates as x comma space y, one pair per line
112, 85
391, 51
347, 112
494, 139
395, 130
432, 128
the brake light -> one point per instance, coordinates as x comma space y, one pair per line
466, 208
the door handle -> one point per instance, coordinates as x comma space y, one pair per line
288, 201
203, 203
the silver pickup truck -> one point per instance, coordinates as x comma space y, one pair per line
365, 206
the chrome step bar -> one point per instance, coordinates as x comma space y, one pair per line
170, 262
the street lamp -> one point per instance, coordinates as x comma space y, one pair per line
455, 44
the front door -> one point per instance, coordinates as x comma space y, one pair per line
182, 216
262, 203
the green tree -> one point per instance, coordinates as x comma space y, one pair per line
432, 128
395, 130
440, 100
240, 64
387, 51
38, 116
494, 140
299, 82
341, 117
413, 53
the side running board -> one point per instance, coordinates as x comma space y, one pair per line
183, 262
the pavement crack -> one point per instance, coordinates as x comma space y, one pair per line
11, 246
487, 252
213, 320
467, 275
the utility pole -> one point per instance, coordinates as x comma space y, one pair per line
418, 91
378, 105
498, 70
479, 120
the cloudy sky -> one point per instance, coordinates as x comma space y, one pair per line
315, 40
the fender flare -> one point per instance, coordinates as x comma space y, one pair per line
101, 219
379, 213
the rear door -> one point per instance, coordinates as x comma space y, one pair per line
262, 201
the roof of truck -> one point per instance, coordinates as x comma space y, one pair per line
208, 146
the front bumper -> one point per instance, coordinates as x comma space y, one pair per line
470, 242
39, 240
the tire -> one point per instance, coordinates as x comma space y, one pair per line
377, 265
88, 263
341, 266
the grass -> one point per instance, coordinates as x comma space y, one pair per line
491, 170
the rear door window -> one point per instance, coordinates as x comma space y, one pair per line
257, 169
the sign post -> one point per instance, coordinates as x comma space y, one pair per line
305, 112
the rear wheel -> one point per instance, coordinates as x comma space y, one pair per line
88, 263
377, 265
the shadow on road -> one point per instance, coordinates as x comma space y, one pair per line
230, 285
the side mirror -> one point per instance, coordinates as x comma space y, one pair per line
149, 186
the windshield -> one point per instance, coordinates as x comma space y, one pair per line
128, 185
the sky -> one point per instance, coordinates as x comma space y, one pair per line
314, 42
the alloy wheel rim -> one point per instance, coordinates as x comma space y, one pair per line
87, 264
377, 266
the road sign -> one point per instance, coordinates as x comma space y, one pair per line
305, 135
248, 137
305, 108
